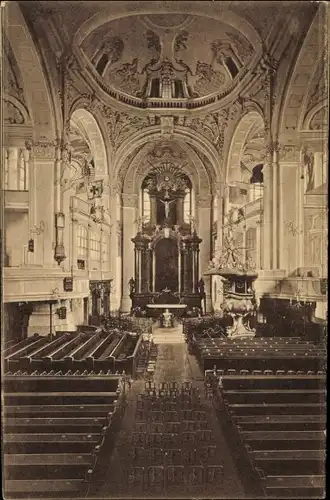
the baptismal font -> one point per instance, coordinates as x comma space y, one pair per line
238, 278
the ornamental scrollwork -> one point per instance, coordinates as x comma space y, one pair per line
121, 125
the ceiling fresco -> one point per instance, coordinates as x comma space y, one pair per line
192, 49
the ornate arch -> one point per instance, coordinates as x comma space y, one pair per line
139, 168
181, 135
243, 127
86, 120
36, 90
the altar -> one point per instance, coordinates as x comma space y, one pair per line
155, 310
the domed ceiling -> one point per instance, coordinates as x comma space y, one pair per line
167, 56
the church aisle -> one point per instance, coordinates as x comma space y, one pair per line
174, 364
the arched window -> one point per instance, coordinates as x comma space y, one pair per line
102, 64
187, 213
232, 68
146, 209
257, 183
155, 88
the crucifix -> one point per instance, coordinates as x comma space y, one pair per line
167, 207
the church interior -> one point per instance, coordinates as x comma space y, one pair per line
164, 235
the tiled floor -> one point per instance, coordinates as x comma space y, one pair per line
173, 364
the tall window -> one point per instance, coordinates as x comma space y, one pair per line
187, 206
82, 243
6, 169
166, 89
146, 208
95, 246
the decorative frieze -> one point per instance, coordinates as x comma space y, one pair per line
43, 149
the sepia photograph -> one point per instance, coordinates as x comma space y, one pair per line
164, 249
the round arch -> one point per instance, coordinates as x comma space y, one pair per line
138, 169
182, 136
37, 93
243, 128
88, 125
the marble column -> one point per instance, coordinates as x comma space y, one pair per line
129, 230
204, 223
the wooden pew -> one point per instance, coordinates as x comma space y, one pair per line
58, 383
43, 488
79, 357
13, 359
19, 345
50, 443
295, 486
288, 462
48, 466
250, 382
256, 396
275, 409
63, 411
280, 422
56, 424
106, 359
283, 440
37, 359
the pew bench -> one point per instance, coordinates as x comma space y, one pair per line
48, 466
283, 440
280, 422
275, 409
61, 411
288, 462
43, 488
56, 425
51, 443
295, 486
272, 396
61, 398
